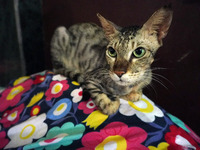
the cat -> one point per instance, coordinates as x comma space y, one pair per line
111, 62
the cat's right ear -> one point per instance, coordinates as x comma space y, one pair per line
109, 27
159, 22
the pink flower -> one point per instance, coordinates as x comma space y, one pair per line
12, 95
56, 89
3, 139
87, 106
115, 135
178, 139
11, 117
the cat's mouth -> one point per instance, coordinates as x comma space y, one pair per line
120, 80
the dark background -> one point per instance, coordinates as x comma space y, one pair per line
177, 89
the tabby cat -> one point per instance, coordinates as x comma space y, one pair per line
110, 62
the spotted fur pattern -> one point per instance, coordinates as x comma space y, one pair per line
107, 61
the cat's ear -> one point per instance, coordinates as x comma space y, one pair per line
109, 27
159, 22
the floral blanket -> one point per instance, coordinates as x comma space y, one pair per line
47, 111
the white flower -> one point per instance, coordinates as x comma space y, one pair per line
144, 109
77, 95
58, 77
25, 132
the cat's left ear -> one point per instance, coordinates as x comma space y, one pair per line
109, 27
159, 22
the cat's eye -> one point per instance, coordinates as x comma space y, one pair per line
139, 52
112, 52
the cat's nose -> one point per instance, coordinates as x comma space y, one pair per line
119, 73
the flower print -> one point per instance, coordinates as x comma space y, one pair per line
116, 135
42, 73
20, 80
58, 77
59, 136
178, 122
39, 79
37, 97
12, 95
75, 83
95, 119
181, 124
60, 109
3, 139
144, 109
177, 138
77, 95
56, 89
25, 132
87, 106
193, 134
161, 146
11, 117
35, 110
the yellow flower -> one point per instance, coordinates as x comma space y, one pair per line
75, 83
35, 99
161, 146
95, 119
20, 80
14, 92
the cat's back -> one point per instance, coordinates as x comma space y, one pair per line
83, 49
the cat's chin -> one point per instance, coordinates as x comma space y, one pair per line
120, 81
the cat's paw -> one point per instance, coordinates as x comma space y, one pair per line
133, 96
106, 105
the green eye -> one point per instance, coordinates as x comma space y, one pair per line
112, 52
139, 52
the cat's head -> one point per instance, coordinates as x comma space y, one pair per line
131, 49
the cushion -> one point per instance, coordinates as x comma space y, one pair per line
49, 111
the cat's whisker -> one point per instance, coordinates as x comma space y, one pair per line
159, 68
152, 87
160, 82
163, 77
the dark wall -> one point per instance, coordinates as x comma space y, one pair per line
21, 39
177, 87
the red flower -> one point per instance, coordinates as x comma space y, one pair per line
3, 139
193, 134
12, 95
178, 139
115, 135
56, 89
11, 117
35, 110
87, 106
39, 79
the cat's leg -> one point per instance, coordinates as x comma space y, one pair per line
106, 103
72, 74
134, 95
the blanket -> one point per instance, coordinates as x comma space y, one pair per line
49, 111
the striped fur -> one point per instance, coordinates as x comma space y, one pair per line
103, 60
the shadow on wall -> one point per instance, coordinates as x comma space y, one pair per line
21, 39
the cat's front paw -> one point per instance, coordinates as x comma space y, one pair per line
133, 96
106, 105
